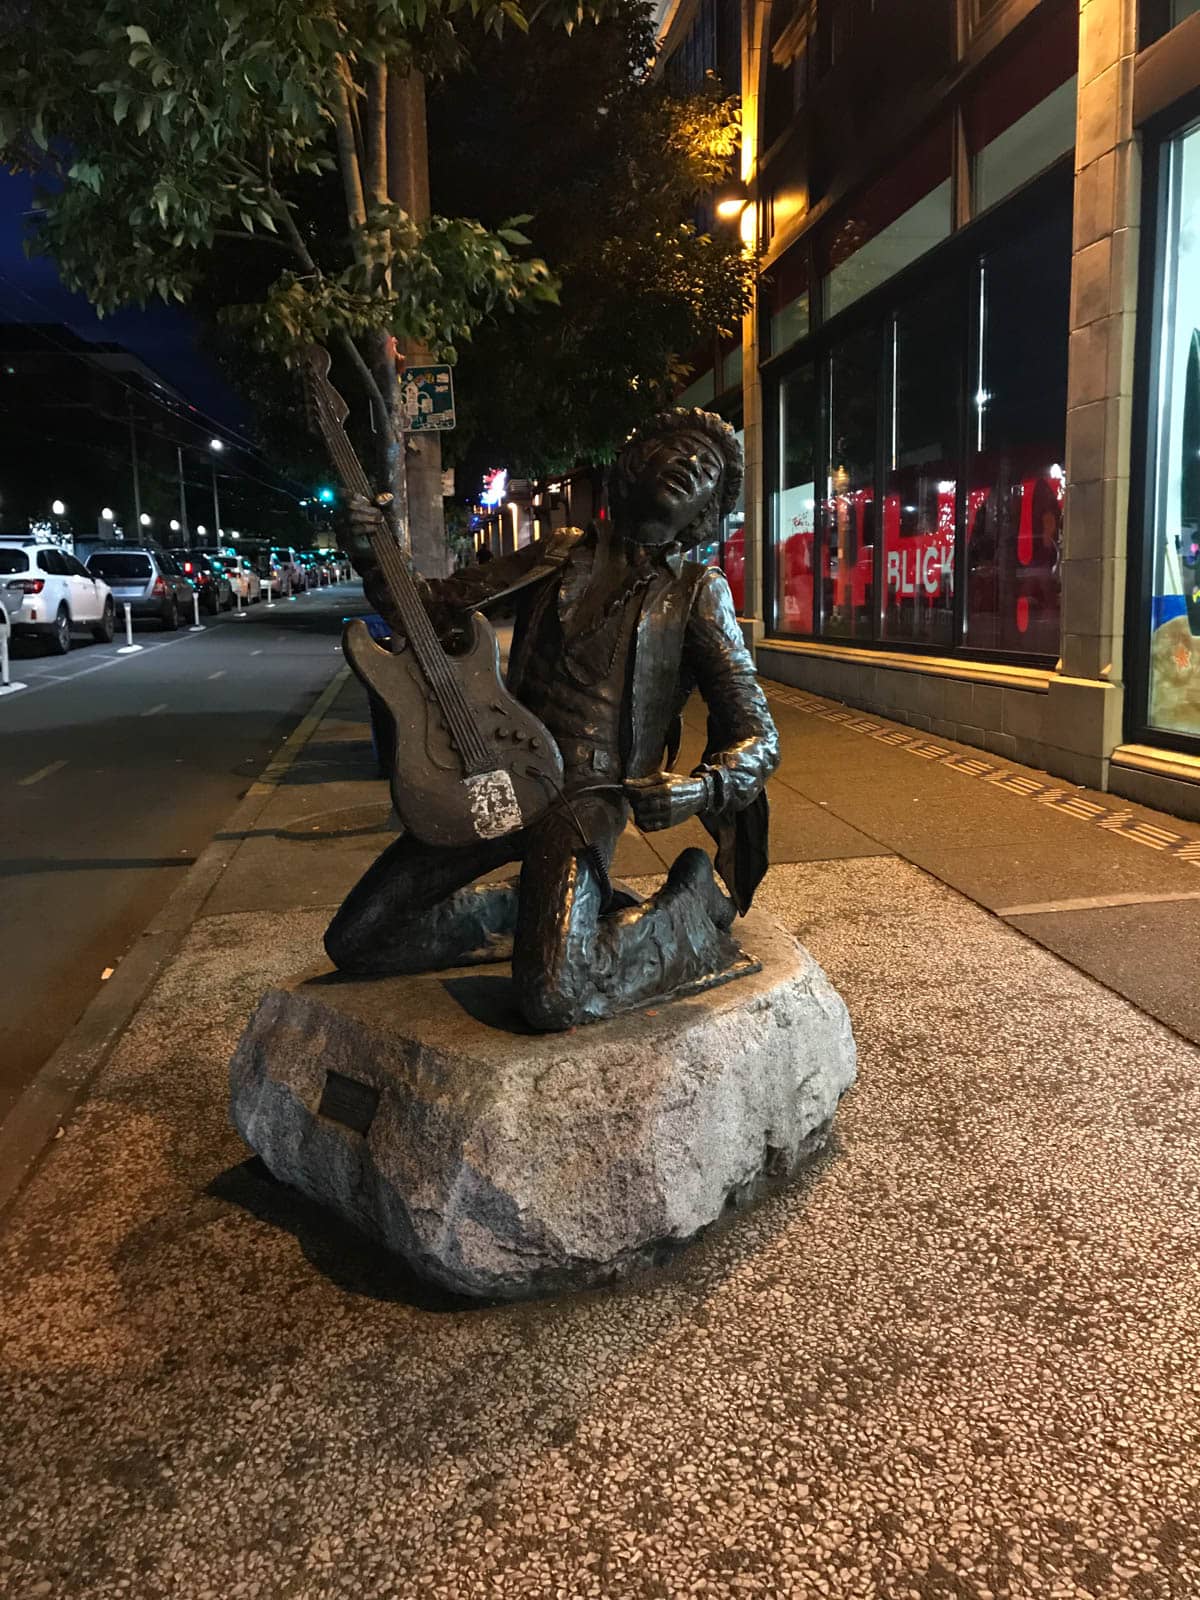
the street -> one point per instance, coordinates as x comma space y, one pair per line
115, 771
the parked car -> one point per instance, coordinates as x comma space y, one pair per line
209, 576
283, 559
47, 592
244, 579
148, 579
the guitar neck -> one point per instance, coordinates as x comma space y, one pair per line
393, 564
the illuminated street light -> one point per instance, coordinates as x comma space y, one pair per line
201, 530
144, 519
108, 514
216, 444
58, 508
174, 526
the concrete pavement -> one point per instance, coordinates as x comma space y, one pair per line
114, 771
957, 1362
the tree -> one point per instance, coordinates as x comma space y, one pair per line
615, 170
169, 130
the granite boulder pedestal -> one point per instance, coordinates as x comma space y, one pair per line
502, 1163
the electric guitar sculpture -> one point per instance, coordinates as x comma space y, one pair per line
471, 761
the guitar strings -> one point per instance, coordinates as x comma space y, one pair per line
439, 670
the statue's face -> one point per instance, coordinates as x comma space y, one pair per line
671, 480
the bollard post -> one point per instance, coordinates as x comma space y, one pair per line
7, 686
128, 648
270, 600
197, 626
237, 601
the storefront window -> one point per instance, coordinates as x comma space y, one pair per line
1020, 118
921, 483
794, 508
889, 226
1175, 601
1016, 482
848, 533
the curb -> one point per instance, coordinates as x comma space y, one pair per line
33, 1123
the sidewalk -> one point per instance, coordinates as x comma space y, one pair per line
958, 1361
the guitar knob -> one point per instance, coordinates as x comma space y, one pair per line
534, 744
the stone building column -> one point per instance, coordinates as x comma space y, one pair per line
755, 16
1084, 719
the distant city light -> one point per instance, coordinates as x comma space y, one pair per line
325, 496
144, 519
58, 508
216, 444
174, 526
495, 486
108, 514
201, 529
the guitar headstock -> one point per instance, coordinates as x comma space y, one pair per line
323, 404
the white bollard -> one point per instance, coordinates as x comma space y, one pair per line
128, 648
270, 601
197, 626
237, 601
7, 686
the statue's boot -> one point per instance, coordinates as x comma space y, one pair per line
634, 956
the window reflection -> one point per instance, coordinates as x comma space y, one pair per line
794, 510
1175, 601
921, 485
848, 544
1016, 482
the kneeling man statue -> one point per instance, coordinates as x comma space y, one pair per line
614, 630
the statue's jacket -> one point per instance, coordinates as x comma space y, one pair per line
686, 637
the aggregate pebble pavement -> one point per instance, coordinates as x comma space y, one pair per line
956, 1361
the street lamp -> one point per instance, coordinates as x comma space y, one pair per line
174, 525
58, 508
201, 529
216, 446
108, 514
144, 519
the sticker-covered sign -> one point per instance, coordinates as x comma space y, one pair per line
427, 399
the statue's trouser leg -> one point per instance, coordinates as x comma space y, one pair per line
570, 964
412, 911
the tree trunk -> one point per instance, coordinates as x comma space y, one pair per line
408, 184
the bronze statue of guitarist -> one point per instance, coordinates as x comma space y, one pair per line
614, 630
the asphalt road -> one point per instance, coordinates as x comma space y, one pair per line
115, 772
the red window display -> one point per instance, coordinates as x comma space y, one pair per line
848, 543
794, 503
921, 486
1015, 486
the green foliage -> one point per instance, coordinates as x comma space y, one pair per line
160, 139
615, 170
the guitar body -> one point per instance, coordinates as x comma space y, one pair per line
436, 801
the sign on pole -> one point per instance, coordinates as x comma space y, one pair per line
427, 399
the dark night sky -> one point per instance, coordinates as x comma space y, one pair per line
164, 338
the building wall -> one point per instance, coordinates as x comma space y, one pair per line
852, 101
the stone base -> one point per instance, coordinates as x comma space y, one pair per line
502, 1163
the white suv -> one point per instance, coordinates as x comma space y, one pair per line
47, 592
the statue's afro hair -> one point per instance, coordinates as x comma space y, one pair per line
683, 419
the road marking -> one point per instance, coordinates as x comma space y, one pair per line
154, 710
213, 675
1099, 902
42, 772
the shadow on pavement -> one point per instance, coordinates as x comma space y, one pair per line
340, 1253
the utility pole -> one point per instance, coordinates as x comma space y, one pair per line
137, 482
408, 185
183, 520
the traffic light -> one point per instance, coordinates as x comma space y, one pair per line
325, 496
